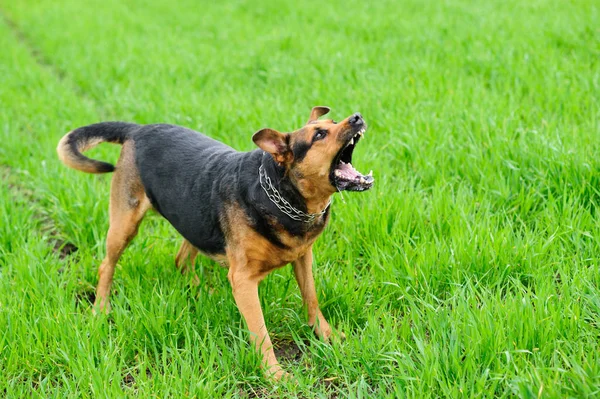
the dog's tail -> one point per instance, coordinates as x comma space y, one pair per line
71, 146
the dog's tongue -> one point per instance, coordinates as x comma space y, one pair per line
347, 172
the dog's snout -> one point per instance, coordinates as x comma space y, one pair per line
356, 119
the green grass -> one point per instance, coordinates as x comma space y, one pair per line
471, 269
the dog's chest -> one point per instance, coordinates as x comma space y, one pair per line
259, 250
249, 246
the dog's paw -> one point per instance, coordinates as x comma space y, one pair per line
335, 337
323, 330
101, 308
277, 373
338, 336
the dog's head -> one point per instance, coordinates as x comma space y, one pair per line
318, 156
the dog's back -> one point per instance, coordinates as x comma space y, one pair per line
183, 173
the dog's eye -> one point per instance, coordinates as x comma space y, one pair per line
320, 135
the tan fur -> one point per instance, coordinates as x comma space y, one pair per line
68, 158
186, 256
251, 258
306, 283
311, 175
317, 112
128, 205
256, 249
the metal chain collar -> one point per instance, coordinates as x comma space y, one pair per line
282, 204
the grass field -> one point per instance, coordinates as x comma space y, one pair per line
471, 269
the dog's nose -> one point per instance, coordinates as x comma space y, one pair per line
356, 119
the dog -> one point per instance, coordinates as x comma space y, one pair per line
251, 211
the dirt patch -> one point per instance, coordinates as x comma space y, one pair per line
129, 379
4, 173
64, 248
46, 63
24, 40
47, 227
332, 387
86, 297
287, 351
255, 393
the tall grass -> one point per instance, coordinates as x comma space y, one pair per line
469, 270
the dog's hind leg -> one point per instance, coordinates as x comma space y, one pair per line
184, 260
128, 205
186, 257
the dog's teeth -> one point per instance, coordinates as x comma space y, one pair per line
337, 172
362, 180
352, 140
370, 173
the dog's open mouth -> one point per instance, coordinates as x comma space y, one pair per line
343, 175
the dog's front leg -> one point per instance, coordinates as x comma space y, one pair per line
306, 282
245, 291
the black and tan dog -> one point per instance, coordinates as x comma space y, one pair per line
254, 211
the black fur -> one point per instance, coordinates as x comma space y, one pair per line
300, 149
191, 178
112, 132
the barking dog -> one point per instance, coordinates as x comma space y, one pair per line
253, 211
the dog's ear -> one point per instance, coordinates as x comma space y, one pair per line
317, 112
275, 143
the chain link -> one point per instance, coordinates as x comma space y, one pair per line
282, 204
